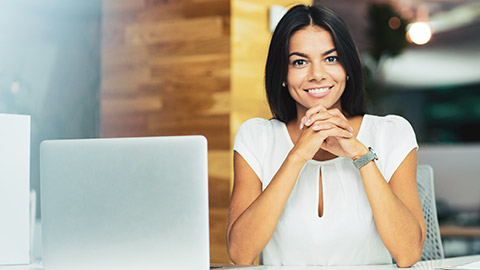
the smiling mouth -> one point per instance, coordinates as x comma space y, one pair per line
317, 90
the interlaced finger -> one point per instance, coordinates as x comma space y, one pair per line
335, 132
323, 117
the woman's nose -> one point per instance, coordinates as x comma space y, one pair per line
317, 72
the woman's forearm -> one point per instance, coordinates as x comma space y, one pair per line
398, 227
251, 231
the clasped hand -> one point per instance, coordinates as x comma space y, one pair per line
328, 130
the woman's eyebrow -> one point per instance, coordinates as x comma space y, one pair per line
298, 54
329, 52
306, 56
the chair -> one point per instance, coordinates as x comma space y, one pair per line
432, 249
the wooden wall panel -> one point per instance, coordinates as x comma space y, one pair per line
166, 71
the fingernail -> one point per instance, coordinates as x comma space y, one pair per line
309, 122
351, 135
316, 128
350, 128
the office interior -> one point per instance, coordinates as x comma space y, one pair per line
130, 68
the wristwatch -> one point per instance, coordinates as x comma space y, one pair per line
363, 160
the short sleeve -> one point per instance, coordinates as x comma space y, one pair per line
398, 141
249, 143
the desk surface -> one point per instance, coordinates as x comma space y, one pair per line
426, 265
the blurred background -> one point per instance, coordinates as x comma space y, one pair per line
117, 68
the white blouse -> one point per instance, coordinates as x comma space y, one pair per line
346, 233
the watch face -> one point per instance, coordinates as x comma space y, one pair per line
373, 152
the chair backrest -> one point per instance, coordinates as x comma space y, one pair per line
432, 249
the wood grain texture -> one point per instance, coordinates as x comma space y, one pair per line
166, 71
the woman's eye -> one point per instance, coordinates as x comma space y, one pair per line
299, 62
332, 59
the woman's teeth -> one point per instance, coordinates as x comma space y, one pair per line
318, 90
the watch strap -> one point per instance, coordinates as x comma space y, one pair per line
363, 160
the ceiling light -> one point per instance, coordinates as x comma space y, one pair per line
419, 33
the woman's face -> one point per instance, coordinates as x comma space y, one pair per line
315, 75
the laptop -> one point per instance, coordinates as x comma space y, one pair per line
125, 203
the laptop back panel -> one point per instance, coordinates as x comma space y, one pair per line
125, 203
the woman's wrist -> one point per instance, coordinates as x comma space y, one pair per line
362, 150
296, 156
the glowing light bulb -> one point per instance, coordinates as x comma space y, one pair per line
419, 33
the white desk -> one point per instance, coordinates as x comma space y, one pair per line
426, 265
21, 267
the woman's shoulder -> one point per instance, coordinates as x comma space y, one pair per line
255, 136
261, 124
388, 125
390, 119
260, 130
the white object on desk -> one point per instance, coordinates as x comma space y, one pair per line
472, 265
14, 189
33, 219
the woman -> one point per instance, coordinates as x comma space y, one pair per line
308, 187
